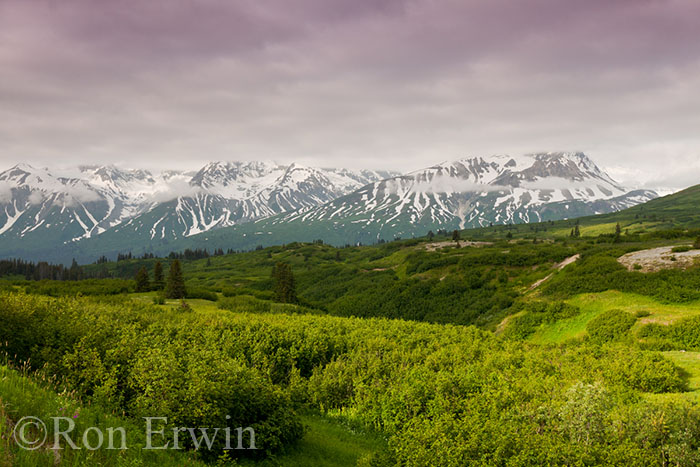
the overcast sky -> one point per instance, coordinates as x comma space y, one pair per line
392, 84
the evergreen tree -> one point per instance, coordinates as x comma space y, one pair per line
697, 243
455, 236
175, 286
431, 235
76, 272
142, 280
158, 280
283, 283
577, 231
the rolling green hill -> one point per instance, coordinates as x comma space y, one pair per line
678, 211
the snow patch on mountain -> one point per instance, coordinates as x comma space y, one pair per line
478, 191
86, 201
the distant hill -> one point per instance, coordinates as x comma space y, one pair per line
678, 211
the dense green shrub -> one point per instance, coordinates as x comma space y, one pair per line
535, 314
204, 294
518, 256
647, 372
681, 249
602, 272
148, 362
261, 294
609, 326
84, 287
244, 303
683, 334
422, 261
438, 392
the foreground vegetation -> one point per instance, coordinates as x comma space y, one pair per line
444, 392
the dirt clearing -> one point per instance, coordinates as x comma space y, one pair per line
657, 259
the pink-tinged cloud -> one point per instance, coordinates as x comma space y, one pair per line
397, 84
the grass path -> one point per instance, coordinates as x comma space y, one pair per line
327, 443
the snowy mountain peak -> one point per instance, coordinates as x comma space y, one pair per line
24, 167
226, 173
477, 191
137, 207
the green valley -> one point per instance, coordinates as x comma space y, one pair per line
503, 346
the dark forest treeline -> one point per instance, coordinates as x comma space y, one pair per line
41, 270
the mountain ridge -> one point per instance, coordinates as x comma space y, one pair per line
241, 205
41, 207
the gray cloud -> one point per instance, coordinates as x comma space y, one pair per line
380, 84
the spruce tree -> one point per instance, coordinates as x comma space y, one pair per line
158, 280
455, 236
618, 232
76, 272
175, 287
142, 280
697, 243
283, 283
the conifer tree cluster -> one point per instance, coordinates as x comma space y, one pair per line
618, 232
175, 285
143, 280
41, 270
143, 283
158, 280
283, 284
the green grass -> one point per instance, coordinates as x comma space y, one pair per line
328, 442
690, 362
23, 396
592, 305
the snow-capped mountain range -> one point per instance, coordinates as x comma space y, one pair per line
476, 192
103, 210
41, 207
467, 193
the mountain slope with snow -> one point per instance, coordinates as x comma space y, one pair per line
94, 211
44, 213
480, 191
467, 193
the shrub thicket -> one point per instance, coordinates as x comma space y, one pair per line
609, 326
